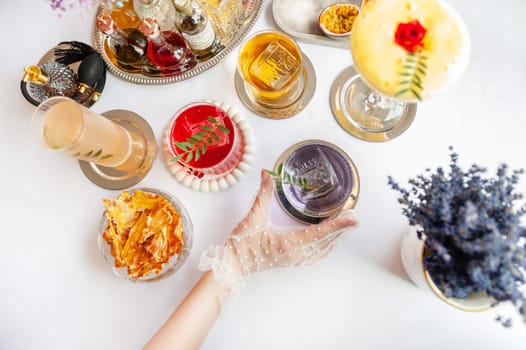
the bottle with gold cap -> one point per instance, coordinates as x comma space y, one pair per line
197, 30
48, 80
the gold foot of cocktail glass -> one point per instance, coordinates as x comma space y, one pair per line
116, 150
403, 51
274, 79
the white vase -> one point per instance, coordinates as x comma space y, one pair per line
412, 254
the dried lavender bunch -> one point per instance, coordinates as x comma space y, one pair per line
62, 6
471, 227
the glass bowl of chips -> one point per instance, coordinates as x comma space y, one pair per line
144, 234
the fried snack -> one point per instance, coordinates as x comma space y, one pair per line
339, 18
144, 231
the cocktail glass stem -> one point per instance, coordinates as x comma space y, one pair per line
372, 111
364, 112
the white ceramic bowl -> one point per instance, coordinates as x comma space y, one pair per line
337, 12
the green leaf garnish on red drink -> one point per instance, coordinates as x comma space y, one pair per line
196, 145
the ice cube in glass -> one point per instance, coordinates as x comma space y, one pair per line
275, 66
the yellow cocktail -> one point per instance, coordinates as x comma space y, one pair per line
403, 51
409, 49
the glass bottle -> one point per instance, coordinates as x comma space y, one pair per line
166, 49
50, 79
162, 11
227, 16
123, 13
128, 47
193, 23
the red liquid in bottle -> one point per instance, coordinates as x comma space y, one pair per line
189, 122
170, 52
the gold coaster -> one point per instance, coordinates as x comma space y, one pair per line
341, 90
114, 179
280, 113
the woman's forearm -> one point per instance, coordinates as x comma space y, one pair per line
189, 324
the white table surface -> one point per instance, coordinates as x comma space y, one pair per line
57, 293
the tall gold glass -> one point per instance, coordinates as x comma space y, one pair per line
63, 125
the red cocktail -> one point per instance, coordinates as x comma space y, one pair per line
205, 140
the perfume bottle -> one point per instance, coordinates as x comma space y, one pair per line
128, 47
168, 49
123, 13
162, 11
91, 74
193, 23
48, 80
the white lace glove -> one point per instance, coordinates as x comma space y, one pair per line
256, 244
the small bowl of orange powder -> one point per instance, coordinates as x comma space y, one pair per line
336, 20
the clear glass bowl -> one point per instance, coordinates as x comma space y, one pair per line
175, 262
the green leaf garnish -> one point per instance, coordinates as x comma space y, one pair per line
223, 129
194, 140
177, 157
181, 146
413, 70
283, 177
417, 95
195, 146
401, 92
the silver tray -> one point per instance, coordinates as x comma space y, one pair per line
251, 8
303, 25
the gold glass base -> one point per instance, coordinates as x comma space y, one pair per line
309, 76
114, 179
365, 114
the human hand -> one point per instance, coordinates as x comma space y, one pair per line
256, 244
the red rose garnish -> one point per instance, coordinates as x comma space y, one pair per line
410, 36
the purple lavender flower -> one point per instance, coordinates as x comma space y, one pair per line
61, 6
473, 233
